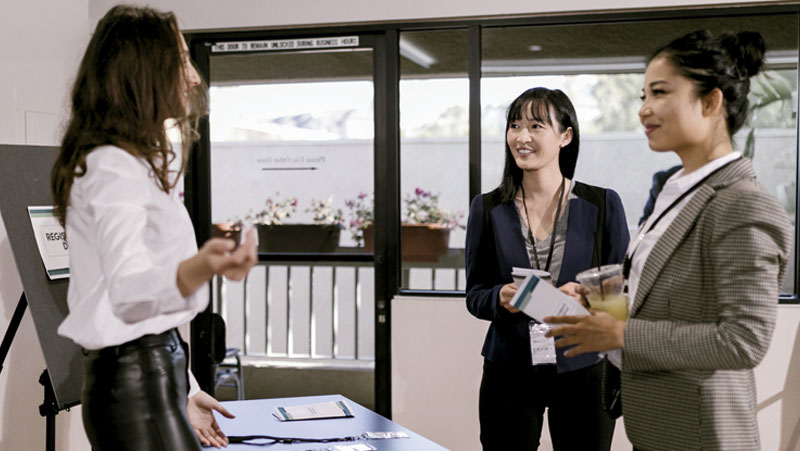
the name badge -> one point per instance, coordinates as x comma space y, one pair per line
543, 349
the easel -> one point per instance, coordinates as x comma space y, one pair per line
24, 182
49, 407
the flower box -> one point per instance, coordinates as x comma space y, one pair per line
315, 238
420, 242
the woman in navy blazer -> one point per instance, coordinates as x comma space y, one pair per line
539, 218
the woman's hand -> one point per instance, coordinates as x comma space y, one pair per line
506, 293
200, 409
597, 332
241, 260
576, 291
217, 256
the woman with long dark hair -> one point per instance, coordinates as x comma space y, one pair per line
539, 218
136, 272
705, 268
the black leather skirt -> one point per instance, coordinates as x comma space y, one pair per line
134, 395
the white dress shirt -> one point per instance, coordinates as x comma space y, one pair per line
126, 238
645, 239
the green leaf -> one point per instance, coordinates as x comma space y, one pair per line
750, 144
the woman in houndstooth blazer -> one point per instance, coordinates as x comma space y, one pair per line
706, 266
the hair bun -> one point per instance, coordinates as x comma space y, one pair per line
746, 49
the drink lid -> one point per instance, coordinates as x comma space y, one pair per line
601, 273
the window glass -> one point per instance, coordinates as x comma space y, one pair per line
434, 158
287, 133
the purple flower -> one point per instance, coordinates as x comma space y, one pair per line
362, 195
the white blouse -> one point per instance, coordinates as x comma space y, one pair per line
645, 239
126, 238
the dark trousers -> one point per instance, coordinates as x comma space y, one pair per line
513, 401
134, 396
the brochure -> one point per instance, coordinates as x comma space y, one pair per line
332, 409
539, 300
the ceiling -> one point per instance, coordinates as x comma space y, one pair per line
579, 48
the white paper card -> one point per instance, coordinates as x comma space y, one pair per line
543, 349
355, 447
539, 300
384, 435
51, 240
332, 409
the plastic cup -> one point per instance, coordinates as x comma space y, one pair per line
606, 285
227, 230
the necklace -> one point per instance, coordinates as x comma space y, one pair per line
552, 233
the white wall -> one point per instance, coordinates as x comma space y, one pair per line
436, 369
42, 41
215, 14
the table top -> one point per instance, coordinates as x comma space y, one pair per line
254, 417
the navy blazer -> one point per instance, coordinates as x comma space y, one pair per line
495, 245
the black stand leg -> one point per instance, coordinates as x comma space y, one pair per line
49, 410
16, 318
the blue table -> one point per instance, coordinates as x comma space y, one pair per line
254, 417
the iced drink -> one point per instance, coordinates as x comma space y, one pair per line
616, 305
606, 285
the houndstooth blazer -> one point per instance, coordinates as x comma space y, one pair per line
703, 317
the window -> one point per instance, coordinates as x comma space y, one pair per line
434, 158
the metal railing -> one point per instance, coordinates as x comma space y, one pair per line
300, 309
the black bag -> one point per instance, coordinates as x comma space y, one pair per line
610, 387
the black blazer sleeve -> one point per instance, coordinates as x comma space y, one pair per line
659, 178
483, 279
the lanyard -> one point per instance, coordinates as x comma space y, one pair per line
253, 439
266, 440
626, 265
552, 234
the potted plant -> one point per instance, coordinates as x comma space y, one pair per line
768, 89
361, 217
323, 234
425, 231
275, 236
